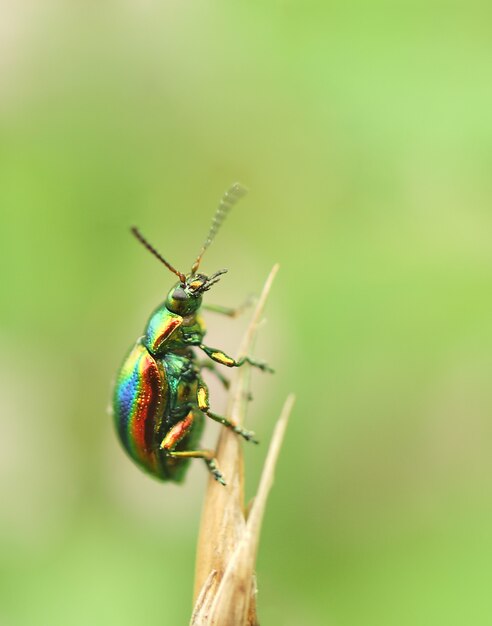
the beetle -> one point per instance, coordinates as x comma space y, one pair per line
160, 399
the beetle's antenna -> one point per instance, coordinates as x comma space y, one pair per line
228, 200
151, 249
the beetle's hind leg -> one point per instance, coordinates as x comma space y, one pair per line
204, 405
179, 432
207, 456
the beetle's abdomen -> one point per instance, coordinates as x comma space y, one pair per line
139, 402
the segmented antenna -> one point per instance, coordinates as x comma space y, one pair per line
151, 249
229, 199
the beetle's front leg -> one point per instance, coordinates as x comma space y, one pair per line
176, 434
192, 337
224, 359
204, 405
229, 311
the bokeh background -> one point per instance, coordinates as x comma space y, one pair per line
364, 132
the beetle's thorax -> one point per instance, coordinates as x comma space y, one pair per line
189, 320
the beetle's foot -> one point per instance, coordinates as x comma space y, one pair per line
249, 435
261, 365
214, 470
264, 367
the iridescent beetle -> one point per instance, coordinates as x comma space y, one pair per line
160, 398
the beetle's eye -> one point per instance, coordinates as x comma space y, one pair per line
179, 294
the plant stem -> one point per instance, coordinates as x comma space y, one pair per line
225, 584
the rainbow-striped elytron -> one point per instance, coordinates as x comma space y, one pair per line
160, 398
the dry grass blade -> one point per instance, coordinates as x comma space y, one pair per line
231, 603
225, 534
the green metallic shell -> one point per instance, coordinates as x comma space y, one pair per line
156, 388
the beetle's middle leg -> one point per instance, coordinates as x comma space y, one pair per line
212, 367
179, 432
204, 405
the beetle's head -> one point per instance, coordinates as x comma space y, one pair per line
185, 297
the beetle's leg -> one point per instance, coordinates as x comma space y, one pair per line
229, 311
225, 381
224, 359
192, 337
204, 405
176, 434
213, 368
207, 456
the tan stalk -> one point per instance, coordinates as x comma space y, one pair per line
225, 584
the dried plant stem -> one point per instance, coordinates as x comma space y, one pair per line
225, 585
232, 602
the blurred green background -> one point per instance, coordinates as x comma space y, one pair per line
364, 132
